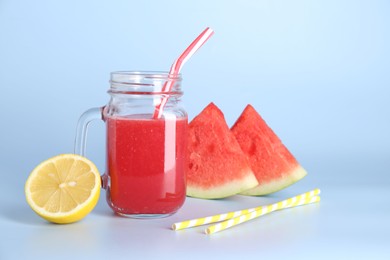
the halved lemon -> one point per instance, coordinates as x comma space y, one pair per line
64, 188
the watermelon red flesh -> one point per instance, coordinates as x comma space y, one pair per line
217, 167
273, 164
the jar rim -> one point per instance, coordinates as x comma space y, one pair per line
127, 82
124, 77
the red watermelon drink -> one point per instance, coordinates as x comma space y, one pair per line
146, 155
146, 163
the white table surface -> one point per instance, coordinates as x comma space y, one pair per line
351, 222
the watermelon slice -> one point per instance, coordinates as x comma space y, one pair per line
274, 166
217, 167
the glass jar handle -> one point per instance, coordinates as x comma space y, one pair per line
80, 143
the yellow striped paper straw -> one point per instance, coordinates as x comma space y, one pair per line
225, 216
263, 211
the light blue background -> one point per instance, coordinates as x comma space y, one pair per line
317, 71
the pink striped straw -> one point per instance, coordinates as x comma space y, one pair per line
178, 64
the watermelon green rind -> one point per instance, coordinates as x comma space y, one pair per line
272, 163
277, 185
217, 166
222, 191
